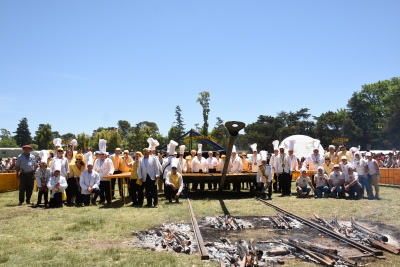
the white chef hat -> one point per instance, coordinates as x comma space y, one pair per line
234, 149
57, 165
174, 163
316, 144
172, 145
88, 158
44, 155
102, 146
57, 141
282, 146
263, 155
353, 149
291, 144
276, 145
199, 146
152, 143
254, 147
74, 142
182, 149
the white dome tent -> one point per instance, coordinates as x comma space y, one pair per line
303, 146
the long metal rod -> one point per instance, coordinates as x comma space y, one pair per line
233, 127
199, 238
331, 233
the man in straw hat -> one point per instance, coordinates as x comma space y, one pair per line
136, 185
25, 169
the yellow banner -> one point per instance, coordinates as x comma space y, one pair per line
199, 137
340, 140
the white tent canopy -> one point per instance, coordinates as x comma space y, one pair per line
303, 147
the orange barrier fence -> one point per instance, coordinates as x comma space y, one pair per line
8, 181
390, 176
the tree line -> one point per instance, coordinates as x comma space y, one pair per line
370, 120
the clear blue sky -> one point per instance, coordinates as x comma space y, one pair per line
80, 65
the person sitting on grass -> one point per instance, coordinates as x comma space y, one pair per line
303, 184
336, 182
321, 183
173, 184
57, 184
351, 184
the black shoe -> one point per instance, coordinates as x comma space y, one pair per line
148, 205
20, 204
177, 201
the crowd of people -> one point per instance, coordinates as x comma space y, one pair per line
75, 178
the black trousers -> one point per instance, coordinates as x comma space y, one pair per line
134, 189
105, 191
151, 191
56, 200
45, 195
72, 189
275, 185
25, 186
113, 182
86, 198
285, 183
170, 194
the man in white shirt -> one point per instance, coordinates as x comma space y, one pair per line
211, 166
90, 183
148, 173
199, 165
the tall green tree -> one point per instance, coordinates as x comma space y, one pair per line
124, 127
23, 135
84, 140
331, 125
263, 132
179, 121
5, 134
295, 123
204, 101
44, 136
220, 133
370, 109
8, 142
68, 137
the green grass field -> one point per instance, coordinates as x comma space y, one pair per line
99, 236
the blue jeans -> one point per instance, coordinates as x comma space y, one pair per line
321, 189
338, 190
306, 189
364, 181
353, 190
